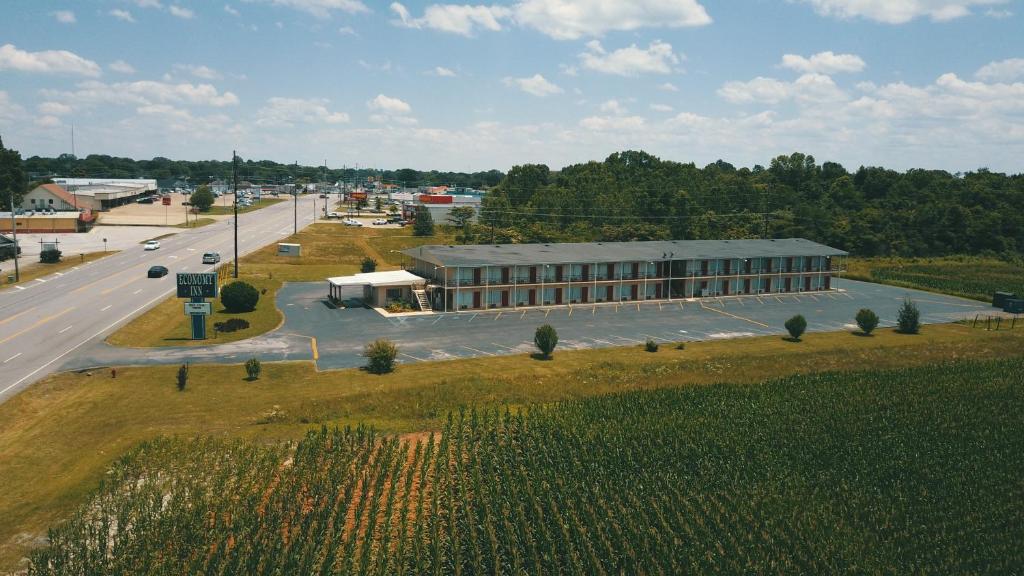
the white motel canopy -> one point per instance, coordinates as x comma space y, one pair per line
379, 279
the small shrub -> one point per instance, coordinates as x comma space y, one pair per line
231, 325
681, 346
368, 265
651, 345
239, 297
867, 320
546, 338
253, 368
182, 377
49, 256
381, 354
796, 327
908, 321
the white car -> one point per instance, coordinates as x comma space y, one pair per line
351, 222
334, 214
380, 222
151, 245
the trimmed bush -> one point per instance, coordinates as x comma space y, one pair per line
651, 345
253, 368
681, 346
867, 320
51, 256
381, 355
546, 338
368, 265
239, 297
182, 377
908, 321
231, 325
796, 327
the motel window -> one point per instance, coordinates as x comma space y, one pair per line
394, 293
51, 201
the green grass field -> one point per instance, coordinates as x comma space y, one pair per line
58, 437
969, 277
913, 470
219, 209
31, 269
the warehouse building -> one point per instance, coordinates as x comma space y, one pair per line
479, 277
101, 194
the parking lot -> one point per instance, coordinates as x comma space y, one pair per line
341, 334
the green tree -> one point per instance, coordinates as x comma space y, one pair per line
368, 265
424, 225
380, 356
378, 204
867, 320
253, 369
202, 199
908, 320
12, 177
182, 377
239, 296
545, 338
49, 256
461, 218
796, 327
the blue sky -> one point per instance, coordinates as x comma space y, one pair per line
899, 83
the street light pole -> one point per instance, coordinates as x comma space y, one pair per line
14, 232
234, 174
295, 194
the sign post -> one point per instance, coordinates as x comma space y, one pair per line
197, 287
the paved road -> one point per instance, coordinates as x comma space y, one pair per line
44, 324
341, 334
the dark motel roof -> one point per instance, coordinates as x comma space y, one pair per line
588, 252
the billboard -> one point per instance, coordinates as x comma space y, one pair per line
197, 284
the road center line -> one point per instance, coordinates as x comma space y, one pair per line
12, 357
36, 325
64, 330
106, 308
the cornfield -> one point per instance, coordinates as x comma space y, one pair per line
966, 277
906, 471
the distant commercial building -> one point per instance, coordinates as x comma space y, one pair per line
440, 206
51, 208
102, 194
475, 277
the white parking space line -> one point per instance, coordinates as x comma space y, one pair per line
479, 351
137, 291
64, 330
655, 337
108, 306
59, 273
12, 357
599, 340
191, 249
624, 338
40, 280
502, 346
20, 287
411, 356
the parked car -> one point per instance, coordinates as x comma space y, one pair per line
380, 222
151, 245
145, 200
351, 222
211, 258
156, 272
323, 195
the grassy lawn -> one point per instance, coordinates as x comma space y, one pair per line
229, 210
57, 437
327, 250
964, 276
35, 269
196, 223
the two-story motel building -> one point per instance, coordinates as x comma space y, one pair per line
475, 277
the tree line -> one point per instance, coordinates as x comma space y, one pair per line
872, 211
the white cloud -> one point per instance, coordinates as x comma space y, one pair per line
287, 112
668, 87
347, 31
142, 93
122, 67
614, 123
824, 63
899, 11
180, 12
560, 19
661, 107
536, 85
9, 110
456, 19
230, 10
383, 67
443, 72
148, 4
48, 122
46, 62
122, 15
1002, 71
322, 8
657, 58
389, 105
54, 109
200, 71
807, 89
613, 107
572, 19
64, 16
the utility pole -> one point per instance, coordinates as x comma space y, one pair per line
234, 174
14, 232
295, 194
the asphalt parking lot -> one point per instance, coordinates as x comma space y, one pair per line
341, 334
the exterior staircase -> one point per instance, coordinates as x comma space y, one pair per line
421, 299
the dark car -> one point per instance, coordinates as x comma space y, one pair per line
157, 272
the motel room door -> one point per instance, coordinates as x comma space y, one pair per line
634, 292
789, 284
532, 299
807, 283
585, 294
476, 299
608, 293
504, 298
828, 282
558, 295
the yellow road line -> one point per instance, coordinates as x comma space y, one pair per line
121, 285
9, 318
36, 325
316, 353
735, 316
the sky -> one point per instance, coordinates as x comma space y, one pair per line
935, 84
